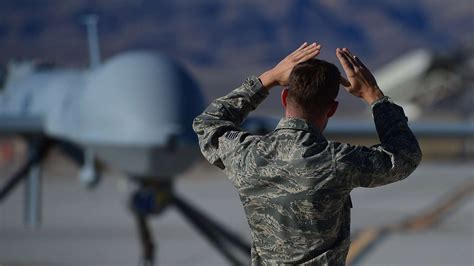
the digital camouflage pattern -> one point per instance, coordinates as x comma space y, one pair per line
293, 183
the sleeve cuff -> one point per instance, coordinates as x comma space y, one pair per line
256, 89
387, 115
383, 99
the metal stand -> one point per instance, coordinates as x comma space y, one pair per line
33, 198
153, 198
37, 151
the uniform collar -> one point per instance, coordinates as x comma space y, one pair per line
297, 124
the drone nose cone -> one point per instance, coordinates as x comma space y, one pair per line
139, 98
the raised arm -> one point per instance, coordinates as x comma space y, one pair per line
398, 154
218, 127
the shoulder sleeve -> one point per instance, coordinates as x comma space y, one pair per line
395, 158
218, 127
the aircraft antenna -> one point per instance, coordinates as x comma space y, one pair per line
91, 22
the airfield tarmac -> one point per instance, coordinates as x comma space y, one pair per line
94, 227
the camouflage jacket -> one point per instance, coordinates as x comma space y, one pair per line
293, 183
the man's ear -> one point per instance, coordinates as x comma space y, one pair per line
284, 96
333, 108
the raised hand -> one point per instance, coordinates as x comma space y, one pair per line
360, 82
280, 74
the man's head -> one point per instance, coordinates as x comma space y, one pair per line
312, 90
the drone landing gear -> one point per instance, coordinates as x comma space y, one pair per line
154, 196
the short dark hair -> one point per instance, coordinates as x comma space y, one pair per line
313, 85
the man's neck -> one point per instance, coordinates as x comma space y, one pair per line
315, 121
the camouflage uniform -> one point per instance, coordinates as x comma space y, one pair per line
293, 183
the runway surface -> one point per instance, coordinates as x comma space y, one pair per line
94, 227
